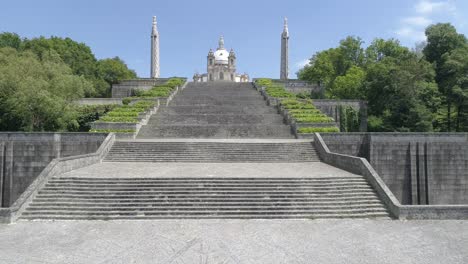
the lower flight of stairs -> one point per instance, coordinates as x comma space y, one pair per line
141, 151
76, 198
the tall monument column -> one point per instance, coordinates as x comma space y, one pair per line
284, 73
154, 50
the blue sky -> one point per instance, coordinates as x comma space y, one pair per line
252, 28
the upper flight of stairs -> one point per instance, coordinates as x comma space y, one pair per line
141, 151
76, 198
216, 110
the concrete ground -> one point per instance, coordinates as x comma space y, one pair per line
235, 241
142, 169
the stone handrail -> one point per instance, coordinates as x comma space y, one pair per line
55, 167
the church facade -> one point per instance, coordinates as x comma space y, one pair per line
221, 66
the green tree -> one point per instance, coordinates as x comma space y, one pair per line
11, 40
36, 95
442, 41
113, 71
349, 86
400, 95
454, 69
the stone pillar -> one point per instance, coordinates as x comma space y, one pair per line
284, 72
155, 50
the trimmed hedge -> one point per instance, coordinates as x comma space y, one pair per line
305, 130
127, 113
304, 111
162, 90
113, 131
274, 90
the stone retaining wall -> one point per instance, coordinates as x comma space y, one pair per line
23, 156
419, 168
362, 167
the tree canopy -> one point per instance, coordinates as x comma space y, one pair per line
406, 90
78, 57
41, 77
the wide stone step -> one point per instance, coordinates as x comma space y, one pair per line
161, 202
216, 131
201, 211
216, 109
205, 185
381, 216
221, 197
210, 188
181, 179
207, 200
212, 152
197, 119
236, 208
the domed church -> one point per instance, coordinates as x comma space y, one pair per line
221, 66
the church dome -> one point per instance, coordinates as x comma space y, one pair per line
221, 56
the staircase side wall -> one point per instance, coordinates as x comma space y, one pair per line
419, 168
23, 156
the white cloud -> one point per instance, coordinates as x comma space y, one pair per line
429, 7
302, 63
411, 33
417, 21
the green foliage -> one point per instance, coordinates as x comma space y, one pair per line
306, 130
274, 90
264, 82
296, 104
36, 95
113, 131
349, 85
86, 114
127, 113
126, 100
278, 92
113, 71
11, 40
399, 86
79, 57
162, 90
304, 111
349, 119
122, 119
174, 82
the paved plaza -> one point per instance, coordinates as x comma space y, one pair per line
235, 241
180, 169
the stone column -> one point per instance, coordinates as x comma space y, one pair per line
284, 72
154, 50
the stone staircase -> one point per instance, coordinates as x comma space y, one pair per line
188, 130
141, 151
217, 110
76, 198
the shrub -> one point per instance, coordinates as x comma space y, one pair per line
174, 82
126, 100
305, 130
113, 131
278, 92
263, 82
127, 114
120, 119
314, 119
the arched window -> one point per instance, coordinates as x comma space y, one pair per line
211, 61
232, 77
211, 77
221, 76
